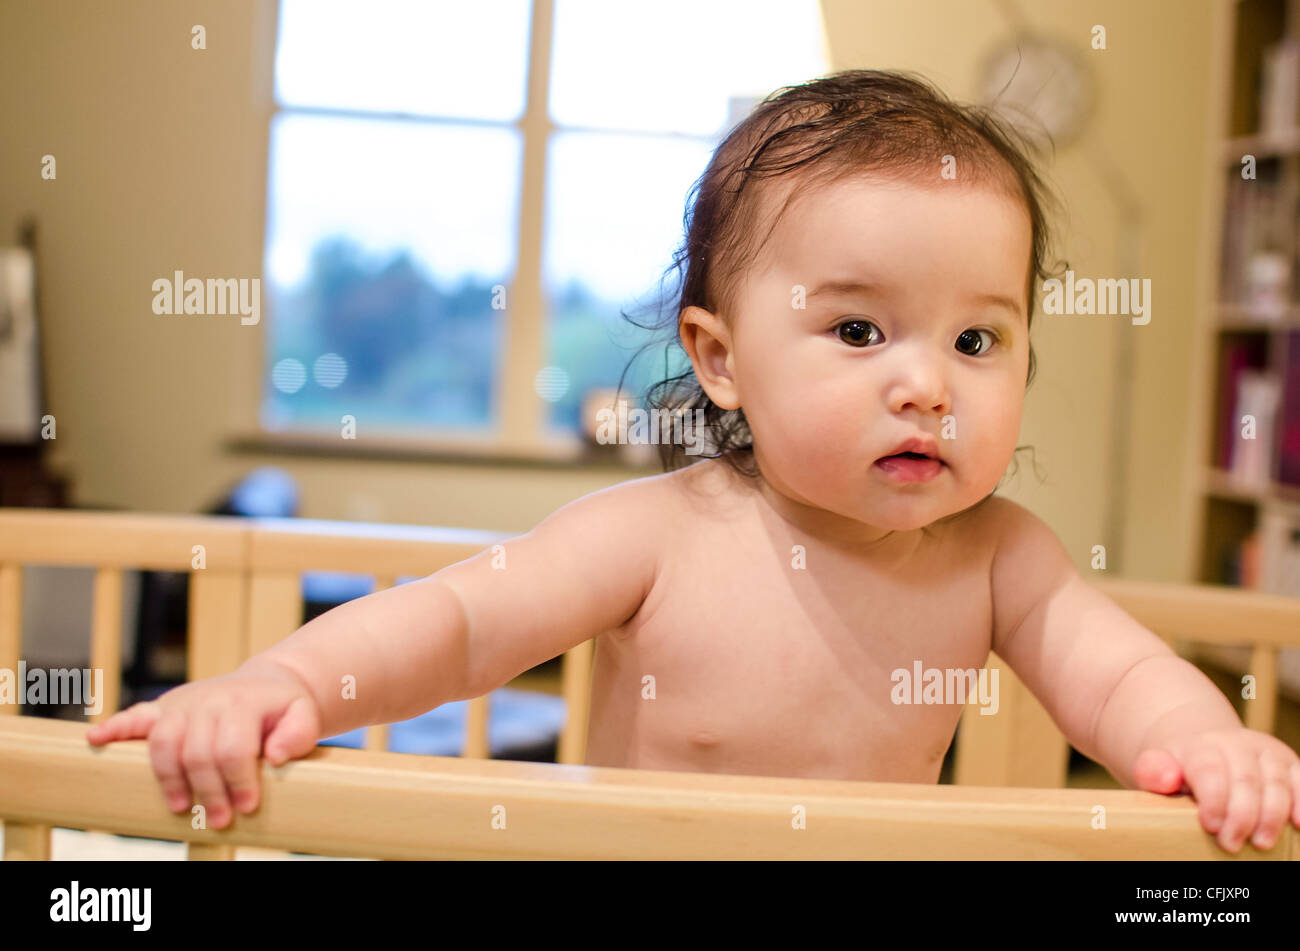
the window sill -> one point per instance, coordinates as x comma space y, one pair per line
576, 456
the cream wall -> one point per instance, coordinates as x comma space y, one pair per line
161, 155
1152, 124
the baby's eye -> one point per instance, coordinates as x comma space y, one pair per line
857, 333
971, 339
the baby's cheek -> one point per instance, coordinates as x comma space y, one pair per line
987, 449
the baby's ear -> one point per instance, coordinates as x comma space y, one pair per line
707, 341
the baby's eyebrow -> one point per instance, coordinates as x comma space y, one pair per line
846, 287
998, 300
869, 287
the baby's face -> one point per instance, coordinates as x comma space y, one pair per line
933, 345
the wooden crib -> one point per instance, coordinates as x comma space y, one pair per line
1007, 801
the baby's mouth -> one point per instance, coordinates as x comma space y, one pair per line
910, 466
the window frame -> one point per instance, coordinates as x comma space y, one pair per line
520, 431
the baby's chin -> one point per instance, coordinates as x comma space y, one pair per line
903, 511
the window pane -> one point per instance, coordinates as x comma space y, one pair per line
450, 59
622, 65
384, 242
607, 245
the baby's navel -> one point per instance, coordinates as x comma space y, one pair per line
706, 738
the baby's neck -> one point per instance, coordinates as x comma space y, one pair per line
803, 521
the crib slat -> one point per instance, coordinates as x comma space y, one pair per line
207, 852
576, 686
217, 623
476, 729
26, 841
274, 609
1261, 713
1017, 746
106, 637
377, 735
11, 622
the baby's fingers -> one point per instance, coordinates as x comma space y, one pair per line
294, 735
1244, 797
1275, 805
133, 723
238, 745
197, 756
165, 756
1206, 774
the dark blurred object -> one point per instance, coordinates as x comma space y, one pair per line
25, 478
25, 482
23, 413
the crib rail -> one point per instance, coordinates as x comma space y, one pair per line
396, 806
245, 595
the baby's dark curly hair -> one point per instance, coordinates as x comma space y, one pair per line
848, 123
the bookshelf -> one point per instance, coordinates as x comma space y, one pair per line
1251, 478
1250, 469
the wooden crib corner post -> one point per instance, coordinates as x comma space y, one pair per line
218, 623
106, 637
217, 645
1017, 746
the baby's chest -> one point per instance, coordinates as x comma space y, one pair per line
857, 643
790, 653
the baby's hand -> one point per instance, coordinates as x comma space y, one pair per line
1244, 781
205, 737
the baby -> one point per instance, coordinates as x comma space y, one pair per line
861, 263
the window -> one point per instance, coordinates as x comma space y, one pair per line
415, 281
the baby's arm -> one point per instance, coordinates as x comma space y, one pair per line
1122, 697
456, 634
475, 625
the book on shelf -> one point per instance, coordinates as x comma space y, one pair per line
1256, 399
1258, 395
1268, 559
1279, 81
1289, 444
1249, 263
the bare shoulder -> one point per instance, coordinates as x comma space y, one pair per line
1020, 534
1030, 564
632, 506
647, 510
